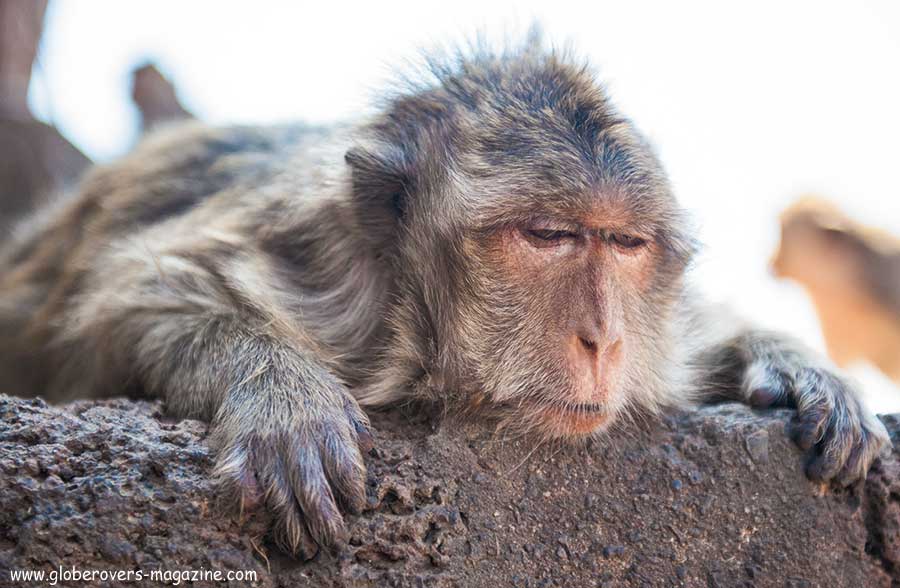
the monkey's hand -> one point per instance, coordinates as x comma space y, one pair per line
843, 438
298, 453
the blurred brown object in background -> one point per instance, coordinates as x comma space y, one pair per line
35, 160
20, 32
155, 97
852, 274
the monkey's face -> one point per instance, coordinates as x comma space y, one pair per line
567, 309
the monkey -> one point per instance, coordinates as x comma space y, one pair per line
497, 239
852, 274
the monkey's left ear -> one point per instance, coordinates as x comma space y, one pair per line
381, 181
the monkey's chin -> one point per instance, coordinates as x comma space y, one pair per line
566, 422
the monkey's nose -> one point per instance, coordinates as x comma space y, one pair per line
592, 340
594, 362
595, 348
588, 345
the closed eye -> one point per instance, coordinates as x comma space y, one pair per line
551, 235
626, 241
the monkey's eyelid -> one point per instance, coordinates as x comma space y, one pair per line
626, 240
552, 234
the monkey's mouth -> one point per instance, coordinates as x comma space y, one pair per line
583, 408
570, 420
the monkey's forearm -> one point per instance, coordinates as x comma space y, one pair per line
211, 360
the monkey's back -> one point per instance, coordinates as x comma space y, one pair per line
171, 173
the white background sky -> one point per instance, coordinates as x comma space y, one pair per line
749, 104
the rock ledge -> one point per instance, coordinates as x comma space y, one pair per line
710, 498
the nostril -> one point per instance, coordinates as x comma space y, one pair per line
588, 345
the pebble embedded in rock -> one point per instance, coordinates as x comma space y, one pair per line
613, 551
757, 444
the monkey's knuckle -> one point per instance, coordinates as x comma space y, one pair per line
352, 408
776, 378
826, 384
876, 429
230, 462
336, 434
869, 454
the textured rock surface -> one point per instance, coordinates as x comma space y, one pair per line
711, 498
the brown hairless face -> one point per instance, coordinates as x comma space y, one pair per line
593, 265
576, 278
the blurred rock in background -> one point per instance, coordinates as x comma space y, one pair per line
36, 161
852, 274
155, 97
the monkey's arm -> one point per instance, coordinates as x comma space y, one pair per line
767, 369
198, 324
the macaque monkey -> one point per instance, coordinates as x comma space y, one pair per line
498, 239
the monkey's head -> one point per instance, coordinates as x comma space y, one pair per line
537, 248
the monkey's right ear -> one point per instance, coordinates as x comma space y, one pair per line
381, 179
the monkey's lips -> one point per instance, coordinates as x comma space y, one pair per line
573, 419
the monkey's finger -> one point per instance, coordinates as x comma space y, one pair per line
816, 406
857, 463
290, 530
873, 442
313, 492
831, 454
844, 428
364, 439
361, 425
345, 469
237, 480
808, 427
